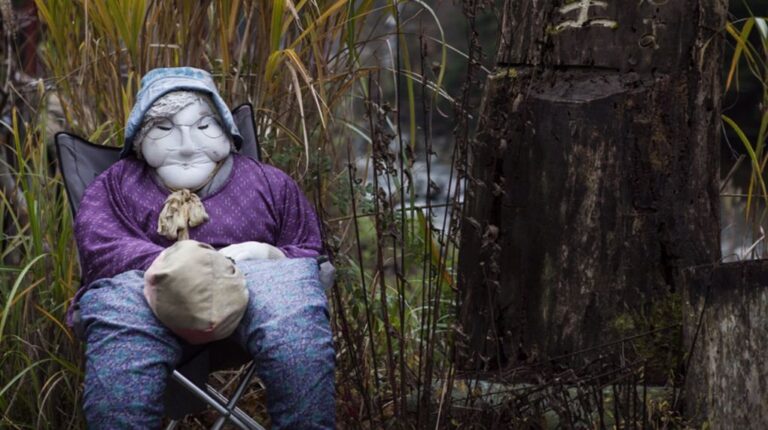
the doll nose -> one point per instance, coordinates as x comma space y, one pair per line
187, 147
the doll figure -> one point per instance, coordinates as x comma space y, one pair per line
185, 241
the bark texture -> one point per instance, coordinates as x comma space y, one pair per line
727, 333
593, 178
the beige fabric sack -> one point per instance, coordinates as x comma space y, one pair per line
196, 291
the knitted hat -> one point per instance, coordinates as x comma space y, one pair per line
196, 292
161, 81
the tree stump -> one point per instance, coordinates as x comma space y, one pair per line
726, 332
593, 178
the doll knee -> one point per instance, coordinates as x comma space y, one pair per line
302, 334
291, 334
115, 317
119, 298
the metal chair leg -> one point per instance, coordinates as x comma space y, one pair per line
215, 404
237, 412
232, 404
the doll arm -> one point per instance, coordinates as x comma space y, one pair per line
252, 251
299, 235
109, 243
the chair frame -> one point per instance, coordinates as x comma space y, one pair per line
226, 407
187, 382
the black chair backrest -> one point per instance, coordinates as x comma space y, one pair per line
81, 161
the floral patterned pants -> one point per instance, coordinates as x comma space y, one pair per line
286, 329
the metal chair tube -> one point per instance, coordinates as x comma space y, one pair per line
232, 404
197, 391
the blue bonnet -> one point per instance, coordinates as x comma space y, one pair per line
161, 81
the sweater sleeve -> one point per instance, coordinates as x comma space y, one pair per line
299, 234
109, 243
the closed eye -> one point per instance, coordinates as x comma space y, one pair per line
202, 127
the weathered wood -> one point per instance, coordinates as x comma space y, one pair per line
593, 179
726, 330
639, 35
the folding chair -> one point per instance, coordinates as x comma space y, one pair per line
80, 162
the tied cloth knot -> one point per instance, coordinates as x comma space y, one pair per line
182, 210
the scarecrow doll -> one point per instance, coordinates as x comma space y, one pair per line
185, 241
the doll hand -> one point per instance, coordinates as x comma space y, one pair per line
252, 251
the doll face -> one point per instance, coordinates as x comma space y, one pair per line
185, 147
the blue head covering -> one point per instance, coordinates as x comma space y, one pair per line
161, 81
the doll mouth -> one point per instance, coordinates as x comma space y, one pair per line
186, 165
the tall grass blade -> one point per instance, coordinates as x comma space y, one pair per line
742, 39
9, 299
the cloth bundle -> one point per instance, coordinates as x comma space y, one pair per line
196, 291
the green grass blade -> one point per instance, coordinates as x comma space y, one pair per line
12, 293
742, 39
21, 375
756, 168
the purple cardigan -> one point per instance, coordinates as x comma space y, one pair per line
116, 225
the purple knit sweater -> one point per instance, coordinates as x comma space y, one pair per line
116, 225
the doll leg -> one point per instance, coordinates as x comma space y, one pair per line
287, 330
129, 355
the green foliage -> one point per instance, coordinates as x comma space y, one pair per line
751, 51
39, 357
661, 345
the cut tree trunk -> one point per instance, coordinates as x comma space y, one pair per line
726, 331
594, 175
